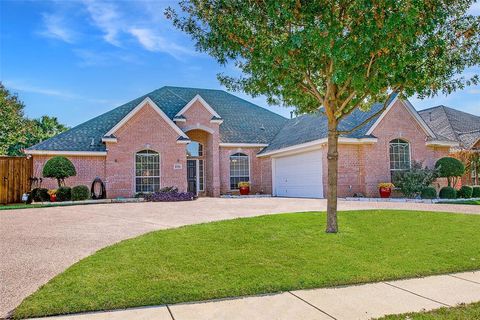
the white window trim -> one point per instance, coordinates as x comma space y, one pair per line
202, 102
135, 171
409, 156
230, 171
142, 104
242, 145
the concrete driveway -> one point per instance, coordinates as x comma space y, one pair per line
37, 244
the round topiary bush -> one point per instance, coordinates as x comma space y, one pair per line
429, 193
448, 193
59, 168
450, 168
476, 192
465, 192
64, 194
80, 193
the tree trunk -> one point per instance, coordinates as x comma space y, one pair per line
332, 157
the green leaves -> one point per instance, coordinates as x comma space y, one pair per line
362, 48
18, 132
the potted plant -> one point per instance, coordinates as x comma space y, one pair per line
53, 195
244, 187
385, 189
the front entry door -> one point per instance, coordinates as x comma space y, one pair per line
192, 175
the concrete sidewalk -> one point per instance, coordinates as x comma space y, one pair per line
350, 302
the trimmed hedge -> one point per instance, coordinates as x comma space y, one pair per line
80, 193
465, 192
429, 193
476, 192
64, 194
59, 168
448, 193
40, 195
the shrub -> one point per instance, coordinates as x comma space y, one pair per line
80, 193
40, 195
169, 189
64, 194
451, 169
170, 196
447, 193
59, 168
414, 180
476, 192
429, 193
465, 192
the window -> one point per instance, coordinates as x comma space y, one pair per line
474, 173
201, 176
194, 149
147, 171
399, 157
239, 170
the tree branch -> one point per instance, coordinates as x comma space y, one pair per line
314, 88
373, 116
338, 112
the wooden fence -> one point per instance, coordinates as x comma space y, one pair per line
15, 174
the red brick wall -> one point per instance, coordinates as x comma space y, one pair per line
260, 170
397, 123
88, 168
145, 130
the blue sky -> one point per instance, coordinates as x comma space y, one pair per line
77, 59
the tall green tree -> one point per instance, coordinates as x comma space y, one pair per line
18, 132
336, 56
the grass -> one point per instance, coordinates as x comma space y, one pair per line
462, 312
261, 255
474, 202
24, 206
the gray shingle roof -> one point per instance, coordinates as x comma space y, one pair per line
310, 127
243, 122
453, 125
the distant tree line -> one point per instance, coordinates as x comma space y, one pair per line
18, 132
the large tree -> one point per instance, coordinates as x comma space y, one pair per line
336, 56
17, 132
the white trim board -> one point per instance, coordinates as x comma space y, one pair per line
442, 143
242, 145
155, 107
66, 153
411, 110
202, 102
316, 144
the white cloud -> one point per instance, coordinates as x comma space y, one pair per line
55, 27
25, 87
107, 18
154, 42
474, 91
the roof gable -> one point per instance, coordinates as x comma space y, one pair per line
145, 102
411, 110
202, 102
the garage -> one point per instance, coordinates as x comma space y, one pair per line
298, 175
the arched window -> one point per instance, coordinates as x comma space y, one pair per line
399, 157
239, 169
147, 171
194, 149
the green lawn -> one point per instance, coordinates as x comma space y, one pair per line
260, 255
23, 206
463, 312
474, 202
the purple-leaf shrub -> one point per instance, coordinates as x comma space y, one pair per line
170, 196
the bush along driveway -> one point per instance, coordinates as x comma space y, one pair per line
261, 255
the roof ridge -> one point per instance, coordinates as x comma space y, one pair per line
168, 88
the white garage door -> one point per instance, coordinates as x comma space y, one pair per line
299, 175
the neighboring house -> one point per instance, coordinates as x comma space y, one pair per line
206, 141
458, 126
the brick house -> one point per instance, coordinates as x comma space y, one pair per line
206, 141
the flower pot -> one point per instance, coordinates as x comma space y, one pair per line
53, 198
385, 192
244, 191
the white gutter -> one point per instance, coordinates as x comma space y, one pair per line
316, 144
66, 153
441, 143
243, 145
